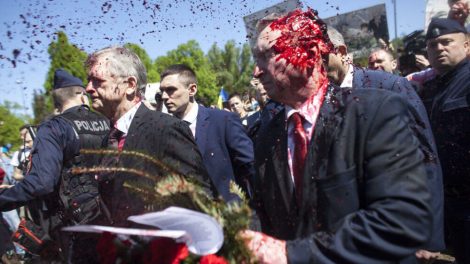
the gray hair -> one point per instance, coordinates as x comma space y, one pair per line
335, 37
122, 62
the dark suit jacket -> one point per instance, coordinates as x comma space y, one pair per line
262, 117
226, 149
365, 193
382, 80
164, 138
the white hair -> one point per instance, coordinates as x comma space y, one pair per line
122, 62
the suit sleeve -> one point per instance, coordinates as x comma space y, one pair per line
395, 217
182, 153
46, 164
241, 152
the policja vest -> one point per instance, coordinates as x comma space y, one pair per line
79, 197
76, 200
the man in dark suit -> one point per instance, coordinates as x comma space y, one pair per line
226, 150
341, 72
268, 108
117, 78
340, 175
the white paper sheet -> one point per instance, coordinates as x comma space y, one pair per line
205, 235
175, 234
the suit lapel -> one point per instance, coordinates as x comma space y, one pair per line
279, 156
324, 132
137, 121
201, 128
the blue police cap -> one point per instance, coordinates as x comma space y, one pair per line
64, 79
443, 26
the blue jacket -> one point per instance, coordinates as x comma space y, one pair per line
226, 149
370, 79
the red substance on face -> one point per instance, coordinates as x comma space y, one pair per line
303, 42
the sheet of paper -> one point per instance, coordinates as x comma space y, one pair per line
175, 234
204, 234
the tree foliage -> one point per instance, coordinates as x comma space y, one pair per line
66, 56
233, 66
9, 126
152, 75
192, 55
230, 67
39, 107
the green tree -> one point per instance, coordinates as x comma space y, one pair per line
9, 126
62, 55
40, 109
191, 54
152, 74
233, 66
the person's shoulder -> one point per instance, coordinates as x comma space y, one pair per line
465, 69
160, 117
362, 98
217, 113
54, 122
370, 78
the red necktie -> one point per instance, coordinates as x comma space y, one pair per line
115, 139
300, 153
111, 160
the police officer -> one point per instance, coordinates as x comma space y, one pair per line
55, 150
446, 98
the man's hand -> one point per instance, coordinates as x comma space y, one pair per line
5, 186
421, 62
266, 249
426, 257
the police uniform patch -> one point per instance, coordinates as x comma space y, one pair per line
436, 32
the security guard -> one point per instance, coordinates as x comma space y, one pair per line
447, 101
60, 197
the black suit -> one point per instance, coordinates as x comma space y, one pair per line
422, 127
164, 138
365, 194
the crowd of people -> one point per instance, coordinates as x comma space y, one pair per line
341, 164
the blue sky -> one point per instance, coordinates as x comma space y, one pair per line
158, 26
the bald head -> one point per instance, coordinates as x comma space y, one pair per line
380, 59
338, 61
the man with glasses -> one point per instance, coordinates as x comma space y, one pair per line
116, 82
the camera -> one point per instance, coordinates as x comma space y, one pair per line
414, 44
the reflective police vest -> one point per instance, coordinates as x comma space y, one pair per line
79, 197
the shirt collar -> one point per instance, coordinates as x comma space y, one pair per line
348, 78
124, 122
191, 116
308, 109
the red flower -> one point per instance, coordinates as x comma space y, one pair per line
106, 248
212, 259
165, 251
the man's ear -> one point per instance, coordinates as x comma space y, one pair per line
343, 50
192, 89
131, 87
394, 64
466, 44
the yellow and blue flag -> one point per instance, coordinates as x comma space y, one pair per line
223, 97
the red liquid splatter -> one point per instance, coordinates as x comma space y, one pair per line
303, 42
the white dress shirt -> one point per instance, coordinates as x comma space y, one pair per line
191, 118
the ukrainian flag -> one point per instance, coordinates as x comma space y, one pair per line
223, 97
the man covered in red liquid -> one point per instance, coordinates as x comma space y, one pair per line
340, 176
